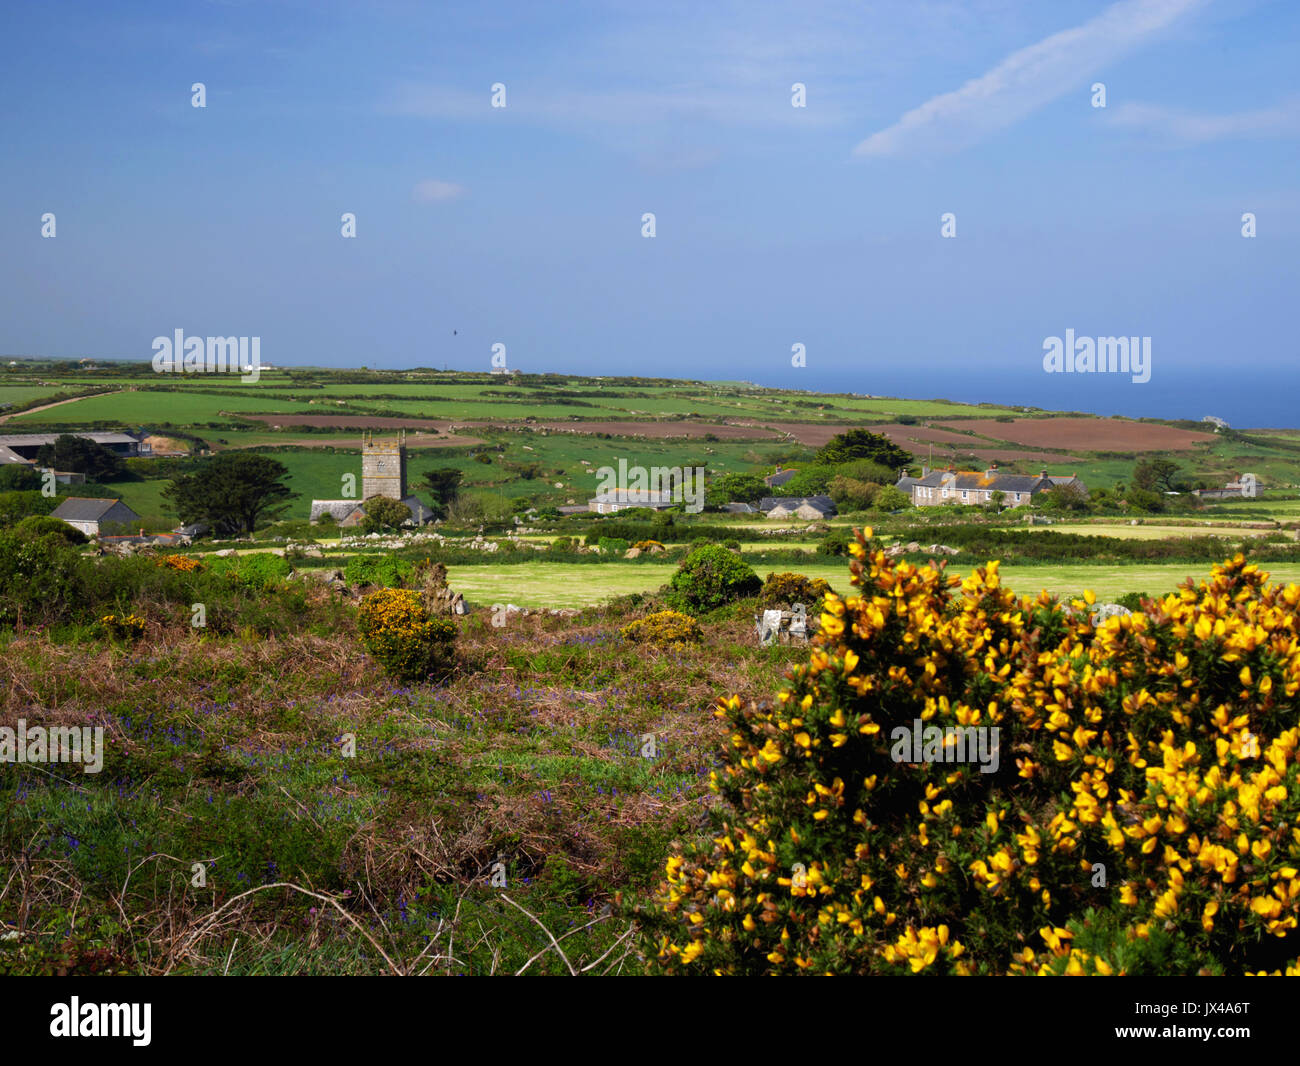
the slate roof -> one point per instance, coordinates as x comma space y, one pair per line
822, 503
29, 439
88, 509
8, 455
775, 481
340, 509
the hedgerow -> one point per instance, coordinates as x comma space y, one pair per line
1140, 816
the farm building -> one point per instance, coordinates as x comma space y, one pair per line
91, 514
26, 445
936, 487
811, 508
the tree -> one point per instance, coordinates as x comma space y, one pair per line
384, 514
810, 481
1064, 498
1156, 475
736, 488
18, 477
233, 491
850, 494
863, 444
15, 506
81, 456
892, 498
443, 485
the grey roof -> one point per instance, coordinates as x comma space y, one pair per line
89, 509
8, 455
29, 439
739, 508
905, 483
973, 479
419, 512
775, 481
822, 503
340, 509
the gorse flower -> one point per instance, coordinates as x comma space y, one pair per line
397, 629
1142, 816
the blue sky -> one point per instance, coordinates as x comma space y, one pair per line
775, 225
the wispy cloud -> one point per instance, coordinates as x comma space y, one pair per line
428, 192
1026, 80
1186, 127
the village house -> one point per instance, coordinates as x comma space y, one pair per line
621, 499
811, 508
92, 515
937, 487
776, 480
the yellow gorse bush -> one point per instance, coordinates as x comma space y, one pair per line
123, 626
397, 629
1142, 818
663, 628
184, 563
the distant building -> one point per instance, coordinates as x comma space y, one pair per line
739, 508
126, 445
622, 499
810, 508
91, 515
383, 473
776, 480
937, 487
1245, 487
1217, 422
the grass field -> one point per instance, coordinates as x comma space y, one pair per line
578, 585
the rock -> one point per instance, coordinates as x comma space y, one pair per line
313, 553
225, 553
632, 553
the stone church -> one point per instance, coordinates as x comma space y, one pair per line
383, 473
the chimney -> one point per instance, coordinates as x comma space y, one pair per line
1043, 472
925, 470
992, 471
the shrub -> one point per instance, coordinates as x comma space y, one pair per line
122, 626
663, 629
1140, 819
39, 578
787, 589
731, 544
892, 498
45, 526
836, 542
647, 545
184, 563
1132, 600
709, 577
262, 572
387, 570
612, 545
562, 544
398, 631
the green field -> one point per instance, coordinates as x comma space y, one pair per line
178, 407
545, 584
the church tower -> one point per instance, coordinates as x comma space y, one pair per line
383, 467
